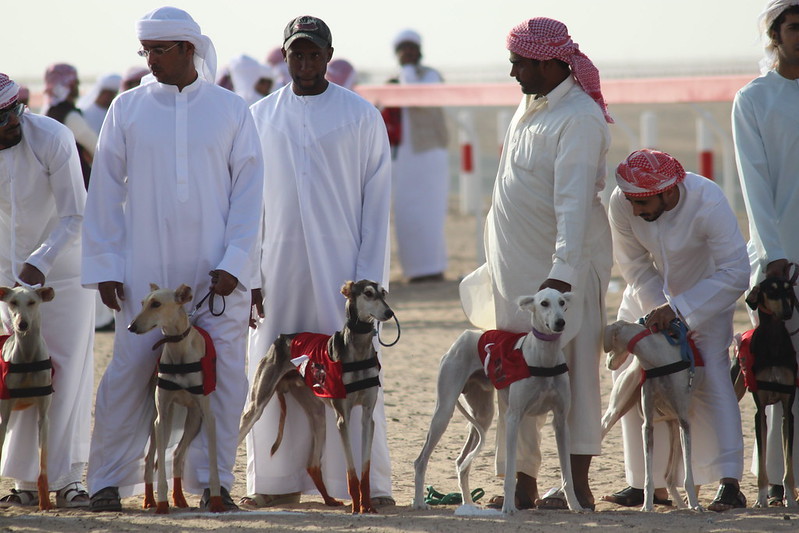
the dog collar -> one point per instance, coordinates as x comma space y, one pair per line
173, 338
549, 337
358, 326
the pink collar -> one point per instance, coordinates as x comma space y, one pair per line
546, 336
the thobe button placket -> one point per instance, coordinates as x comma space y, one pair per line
182, 146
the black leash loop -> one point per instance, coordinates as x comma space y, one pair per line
399, 332
212, 295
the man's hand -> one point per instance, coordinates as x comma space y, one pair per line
556, 284
257, 309
222, 282
110, 291
777, 269
31, 275
660, 318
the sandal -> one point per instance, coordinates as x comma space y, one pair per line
632, 497
71, 496
227, 502
106, 499
383, 500
498, 501
776, 495
22, 498
729, 496
453, 498
257, 501
555, 499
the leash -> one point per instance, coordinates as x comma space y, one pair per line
677, 335
210, 294
399, 332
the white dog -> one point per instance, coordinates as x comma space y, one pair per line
667, 390
547, 389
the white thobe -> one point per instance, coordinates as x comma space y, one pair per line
765, 115
176, 192
419, 193
41, 208
694, 258
94, 116
547, 221
326, 201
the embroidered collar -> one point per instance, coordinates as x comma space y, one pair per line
173, 338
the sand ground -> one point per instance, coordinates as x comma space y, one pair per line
431, 319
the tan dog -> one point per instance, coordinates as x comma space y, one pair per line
352, 346
183, 345
28, 382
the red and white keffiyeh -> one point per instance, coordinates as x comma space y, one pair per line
648, 172
9, 91
543, 38
58, 81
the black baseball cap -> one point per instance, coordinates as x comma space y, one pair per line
307, 27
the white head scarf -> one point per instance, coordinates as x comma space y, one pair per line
245, 72
407, 36
173, 24
773, 9
107, 82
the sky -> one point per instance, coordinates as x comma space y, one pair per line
464, 39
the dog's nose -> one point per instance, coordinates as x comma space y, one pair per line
389, 314
23, 326
560, 324
132, 327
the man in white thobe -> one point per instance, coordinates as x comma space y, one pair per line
326, 202
41, 210
765, 115
420, 173
677, 245
547, 228
94, 104
176, 192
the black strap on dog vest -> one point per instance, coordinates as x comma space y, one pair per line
548, 371
183, 368
355, 386
775, 387
24, 368
360, 365
666, 370
170, 385
30, 392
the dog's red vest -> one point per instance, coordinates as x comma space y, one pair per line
208, 363
506, 363
322, 374
5, 367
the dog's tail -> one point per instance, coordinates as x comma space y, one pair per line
480, 433
282, 424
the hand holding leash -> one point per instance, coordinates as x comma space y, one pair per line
222, 282
111, 292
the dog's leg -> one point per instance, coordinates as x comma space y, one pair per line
560, 414
367, 434
625, 393
191, 427
649, 444
271, 370
479, 396
162, 407
149, 467
761, 429
690, 487
342, 424
44, 426
215, 504
675, 455
788, 480
315, 411
513, 417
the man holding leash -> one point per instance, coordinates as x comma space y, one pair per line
176, 193
41, 211
547, 228
764, 118
677, 244
327, 195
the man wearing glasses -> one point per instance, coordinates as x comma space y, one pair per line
41, 210
176, 193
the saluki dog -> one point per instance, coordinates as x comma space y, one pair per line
341, 370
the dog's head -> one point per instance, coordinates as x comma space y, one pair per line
23, 305
613, 346
366, 301
773, 296
548, 309
160, 307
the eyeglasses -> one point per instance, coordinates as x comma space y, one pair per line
5, 116
157, 51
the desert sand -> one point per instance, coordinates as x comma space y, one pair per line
431, 319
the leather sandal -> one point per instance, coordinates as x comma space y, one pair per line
632, 497
776, 494
21, 498
106, 499
71, 496
729, 496
258, 501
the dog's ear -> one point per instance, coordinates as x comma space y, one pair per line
46, 293
183, 294
526, 303
567, 296
154, 287
346, 289
753, 298
4, 292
